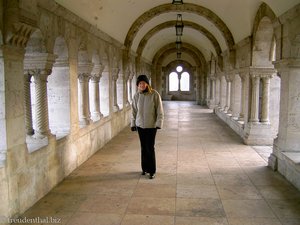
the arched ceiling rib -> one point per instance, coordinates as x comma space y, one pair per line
138, 23
188, 7
186, 49
169, 24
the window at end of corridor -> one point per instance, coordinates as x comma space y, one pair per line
179, 81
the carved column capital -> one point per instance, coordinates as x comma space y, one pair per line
19, 34
231, 75
39, 61
97, 72
85, 67
115, 73
262, 72
83, 77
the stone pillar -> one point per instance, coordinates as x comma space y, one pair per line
115, 76
130, 86
95, 93
232, 93
179, 83
83, 99
84, 74
40, 67
220, 93
254, 99
243, 92
255, 132
228, 92
41, 110
213, 89
265, 100
198, 86
95, 97
126, 79
288, 140
203, 88
208, 90
27, 104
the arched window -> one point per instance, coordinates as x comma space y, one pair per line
173, 81
185, 81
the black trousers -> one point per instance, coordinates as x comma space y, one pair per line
147, 139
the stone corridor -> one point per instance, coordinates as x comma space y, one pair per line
205, 176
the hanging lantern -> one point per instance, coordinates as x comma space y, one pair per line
177, 2
178, 43
179, 25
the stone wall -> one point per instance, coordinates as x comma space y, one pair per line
52, 64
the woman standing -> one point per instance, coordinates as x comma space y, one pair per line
147, 117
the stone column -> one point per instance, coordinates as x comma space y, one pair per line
115, 76
130, 86
83, 99
27, 104
41, 110
198, 86
265, 100
179, 84
95, 97
243, 91
39, 65
95, 92
228, 91
232, 93
208, 89
254, 99
289, 121
213, 92
126, 79
220, 93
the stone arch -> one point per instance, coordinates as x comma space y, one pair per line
59, 90
187, 7
179, 95
104, 81
85, 67
37, 67
263, 43
186, 48
159, 81
35, 43
168, 24
263, 36
263, 54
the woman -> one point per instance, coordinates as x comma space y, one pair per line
147, 117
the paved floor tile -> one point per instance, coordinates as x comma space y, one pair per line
205, 176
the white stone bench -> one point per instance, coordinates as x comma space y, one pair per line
292, 167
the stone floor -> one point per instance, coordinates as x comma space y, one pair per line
205, 176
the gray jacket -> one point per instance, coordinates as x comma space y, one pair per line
147, 110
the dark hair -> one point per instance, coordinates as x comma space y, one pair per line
142, 78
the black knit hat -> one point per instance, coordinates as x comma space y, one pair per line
142, 78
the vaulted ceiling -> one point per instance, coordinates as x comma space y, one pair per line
147, 26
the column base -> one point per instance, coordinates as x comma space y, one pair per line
273, 162
116, 108
96, 116
84, 122
258, 134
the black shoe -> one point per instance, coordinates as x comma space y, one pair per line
152, 175
143, 173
